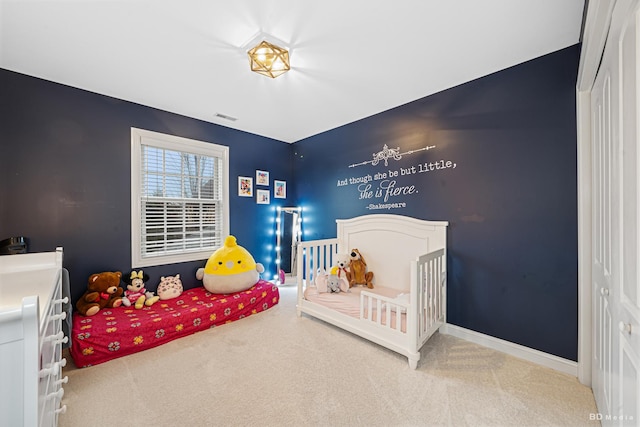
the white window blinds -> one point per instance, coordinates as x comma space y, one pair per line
182, 199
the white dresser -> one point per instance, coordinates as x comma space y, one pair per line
31, 339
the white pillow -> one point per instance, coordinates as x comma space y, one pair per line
321, 282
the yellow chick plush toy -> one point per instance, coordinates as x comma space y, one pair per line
230, 269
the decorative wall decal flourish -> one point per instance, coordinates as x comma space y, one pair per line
388, 153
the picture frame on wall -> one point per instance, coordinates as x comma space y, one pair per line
262, 197
279, 189
245, 186
262, 177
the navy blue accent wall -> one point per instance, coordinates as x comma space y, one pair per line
496, 157
66, 176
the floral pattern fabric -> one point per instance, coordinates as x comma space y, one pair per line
117, 332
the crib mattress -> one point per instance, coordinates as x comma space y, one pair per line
349, 302
117, 332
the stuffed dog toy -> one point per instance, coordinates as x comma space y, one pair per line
358, 274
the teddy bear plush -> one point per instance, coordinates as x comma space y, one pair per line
341, 267
103, 291
358, 274
136, 294
169, 287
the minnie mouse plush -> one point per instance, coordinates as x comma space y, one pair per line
136, 294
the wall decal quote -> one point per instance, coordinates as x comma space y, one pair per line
383, 185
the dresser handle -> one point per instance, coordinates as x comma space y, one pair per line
604, 291
53, 368
64, 340
63, 380
56, 394
61, 301
61, 410
46, 371
62, 316
625, 327
54, 337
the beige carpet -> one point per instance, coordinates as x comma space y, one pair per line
275, 369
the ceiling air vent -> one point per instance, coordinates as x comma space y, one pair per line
225, 117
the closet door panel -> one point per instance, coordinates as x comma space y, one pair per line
603, 149
628, 302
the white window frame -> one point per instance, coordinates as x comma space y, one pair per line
141, 137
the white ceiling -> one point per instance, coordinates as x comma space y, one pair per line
350, 58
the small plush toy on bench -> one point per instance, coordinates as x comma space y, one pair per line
136, 294
103, 290
170, 287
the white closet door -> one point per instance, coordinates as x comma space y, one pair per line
605, 234
628, 326
616, 219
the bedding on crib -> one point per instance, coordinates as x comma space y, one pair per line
349, 303
117, 332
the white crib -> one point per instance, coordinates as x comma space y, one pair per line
406, 255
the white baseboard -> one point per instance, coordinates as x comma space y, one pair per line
544, 359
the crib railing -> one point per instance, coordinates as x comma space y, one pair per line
427, 300
431, 272
315, 256
383, 311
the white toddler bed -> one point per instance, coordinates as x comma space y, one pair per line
408, 259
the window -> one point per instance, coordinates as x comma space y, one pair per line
179, 198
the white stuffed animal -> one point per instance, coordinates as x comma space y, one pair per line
336, 280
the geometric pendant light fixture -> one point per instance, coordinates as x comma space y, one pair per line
269, 60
